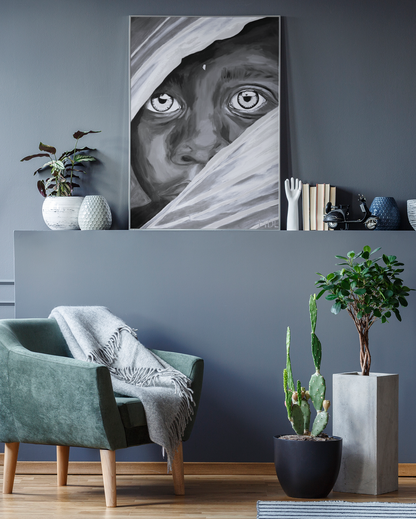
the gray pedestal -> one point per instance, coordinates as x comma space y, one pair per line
365, 415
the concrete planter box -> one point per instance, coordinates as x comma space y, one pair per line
365, 415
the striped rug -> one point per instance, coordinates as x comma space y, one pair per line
333, 510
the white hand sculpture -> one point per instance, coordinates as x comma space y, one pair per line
293, 189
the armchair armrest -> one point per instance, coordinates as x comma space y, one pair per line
60, 401
193, 368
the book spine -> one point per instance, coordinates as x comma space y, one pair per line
312, 207
326, 200
320, 196
305, 207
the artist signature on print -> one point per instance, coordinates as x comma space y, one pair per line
269, 224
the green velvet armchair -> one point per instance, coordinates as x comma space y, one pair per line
47, 397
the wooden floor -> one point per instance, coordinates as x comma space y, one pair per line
207, 497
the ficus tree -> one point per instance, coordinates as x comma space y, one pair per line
369, 290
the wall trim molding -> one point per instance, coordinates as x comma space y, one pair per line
159, 468
407, 470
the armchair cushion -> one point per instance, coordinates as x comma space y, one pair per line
131, 412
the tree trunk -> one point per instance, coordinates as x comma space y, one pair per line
365, 357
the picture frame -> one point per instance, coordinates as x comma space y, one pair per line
205, 122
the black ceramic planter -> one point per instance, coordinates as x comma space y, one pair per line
307, 469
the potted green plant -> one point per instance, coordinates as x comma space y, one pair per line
370, 291
60, 208
307, 463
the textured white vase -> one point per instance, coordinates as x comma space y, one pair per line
60, 213
94, 214
411, 213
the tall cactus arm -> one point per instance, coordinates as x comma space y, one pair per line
321, 421
315, 343
290, 382
317, 388
285, 381
316, 351
313, 312
298, 420
306, 411
299, 390
288, 396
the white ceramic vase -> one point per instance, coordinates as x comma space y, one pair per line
60, 213
411, 213
94, 214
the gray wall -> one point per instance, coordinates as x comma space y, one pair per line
227, 297
348, 118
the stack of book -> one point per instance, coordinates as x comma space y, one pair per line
314, 200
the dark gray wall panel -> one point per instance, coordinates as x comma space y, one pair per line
227, 297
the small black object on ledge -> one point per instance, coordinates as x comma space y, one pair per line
336, 215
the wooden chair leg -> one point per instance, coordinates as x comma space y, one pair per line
108, 467
11, 451
62, 460
178, 472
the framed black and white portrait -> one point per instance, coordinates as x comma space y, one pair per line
205, 122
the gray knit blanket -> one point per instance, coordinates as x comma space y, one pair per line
94, 334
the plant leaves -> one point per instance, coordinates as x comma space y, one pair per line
375, 250
360, 291
83, 158
370, 290
29, 157
49, 149
69, 153
336, 308
41, 188
320, 294
331, 297
78, 134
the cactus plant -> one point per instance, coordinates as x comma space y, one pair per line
296, 397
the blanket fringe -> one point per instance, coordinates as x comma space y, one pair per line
145, 377
106, 354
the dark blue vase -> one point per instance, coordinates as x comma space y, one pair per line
385, 207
